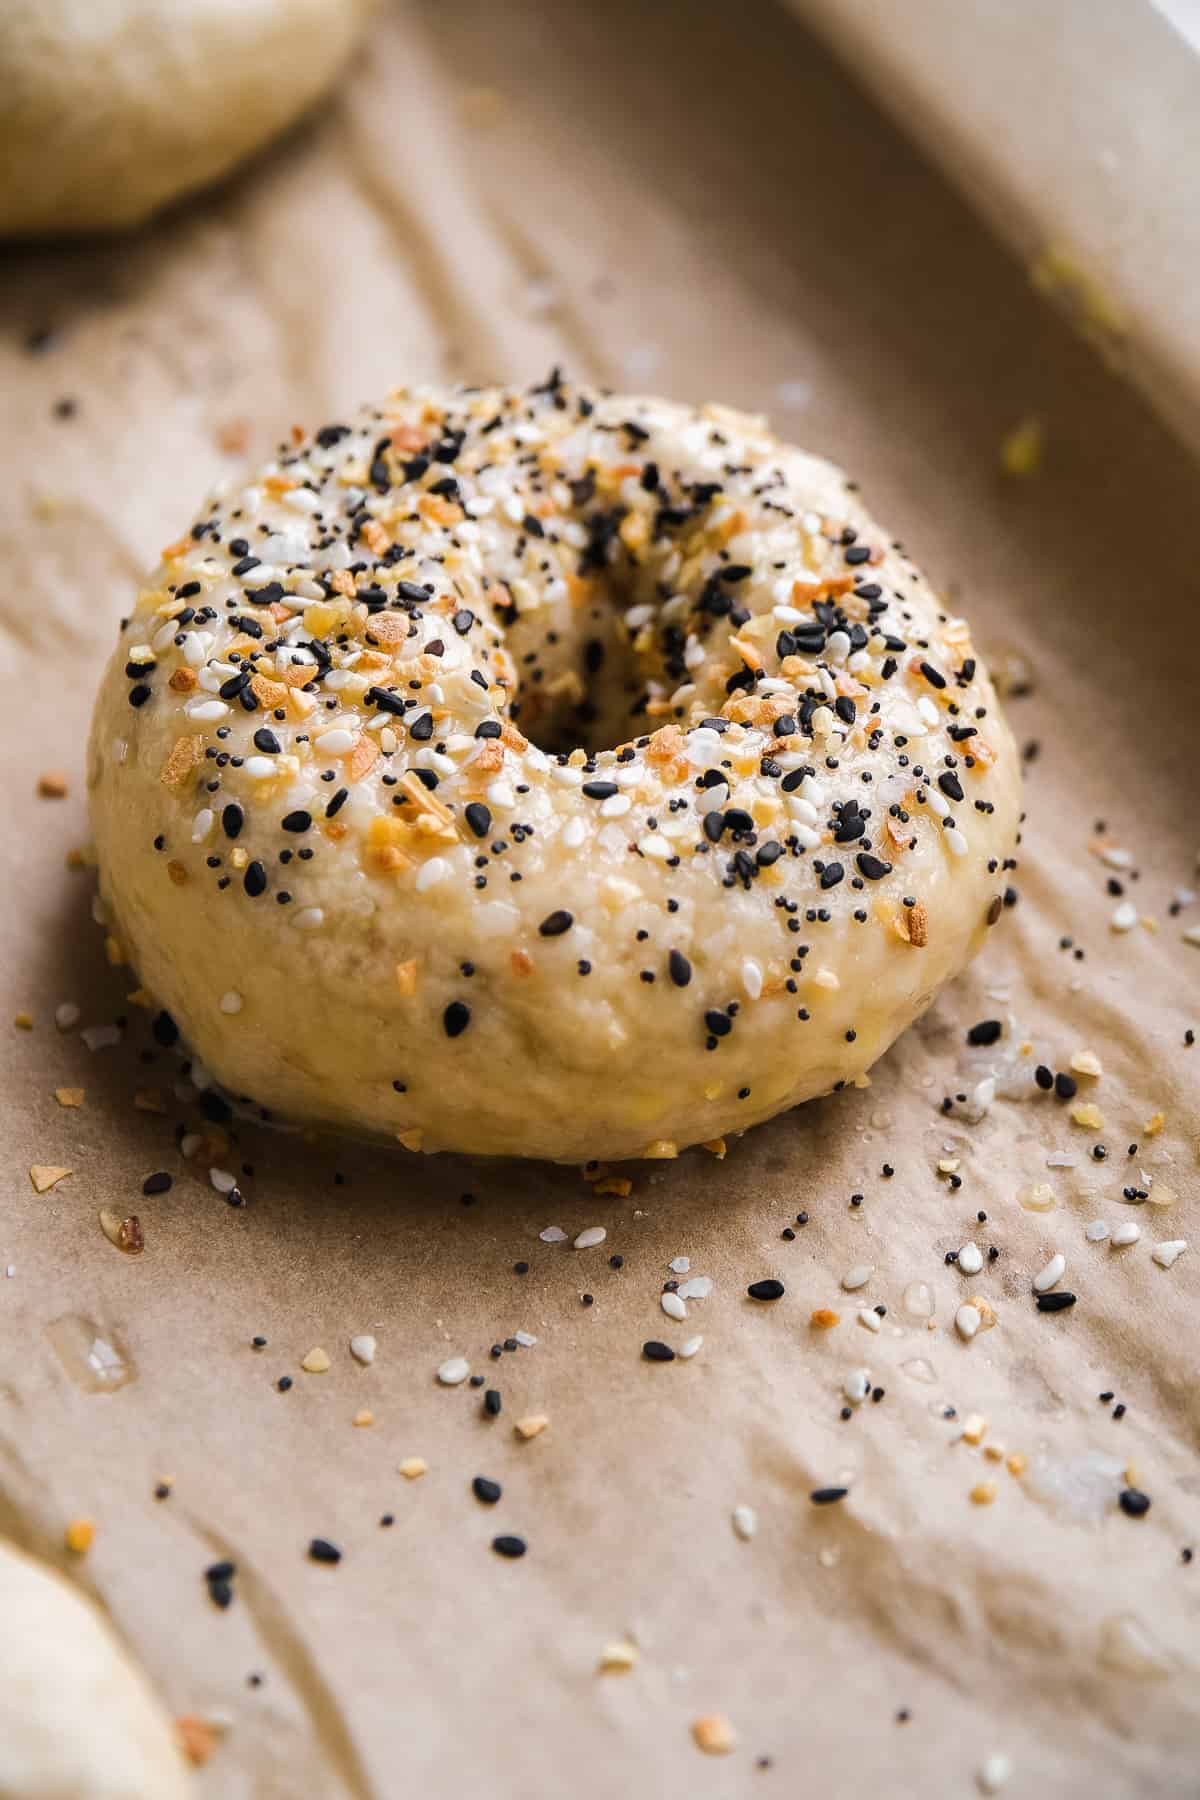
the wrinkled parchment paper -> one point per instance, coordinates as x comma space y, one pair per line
696, 202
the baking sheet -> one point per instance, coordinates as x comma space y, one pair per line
1075, 130
664, 200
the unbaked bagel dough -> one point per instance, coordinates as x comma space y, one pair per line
113, 108
548, 773
78, 1720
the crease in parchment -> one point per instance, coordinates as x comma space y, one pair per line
286, 1644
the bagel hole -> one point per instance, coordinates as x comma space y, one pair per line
584, 689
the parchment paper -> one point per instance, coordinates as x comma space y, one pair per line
694, 201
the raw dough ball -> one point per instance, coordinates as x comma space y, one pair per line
345, 839
78, 1720
113, 108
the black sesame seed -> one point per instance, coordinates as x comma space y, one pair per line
1055, 1302
556, 923
766, 1290
486, 1490
986, 1032
165, 1030
828, 1496
456, 1018
873, 867
654, 1351
509, 1546
322, 1551
679, 968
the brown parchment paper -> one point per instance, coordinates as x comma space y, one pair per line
697, 201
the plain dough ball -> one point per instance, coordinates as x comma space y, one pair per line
114, 108
78, 1720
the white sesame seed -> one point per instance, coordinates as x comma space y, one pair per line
1051, 1275
202, 824
970, 1259
525, 1339
870, 1318
673, 1306
260, 768
956, 840
574, 832
752, 978
1192, 936
698, 1287
745, 1522
858, 1276
206, 711
309, 918
1116, 858
500, 794
689, 1348
222, 1180
679, 1265
1124, 916
1169, 1251
587, 1240
553, 1234
995, 1772
363, 1347
454, 1370
230, 1002
431, 873
655, 846
66, 1015
857, 1385
335, 742
967, 1321
101, 1037
1126, 1234
615, 806
1096, 1231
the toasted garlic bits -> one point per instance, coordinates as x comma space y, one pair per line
604, 750
714, 1735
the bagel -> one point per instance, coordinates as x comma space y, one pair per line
544, 773
114, 108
